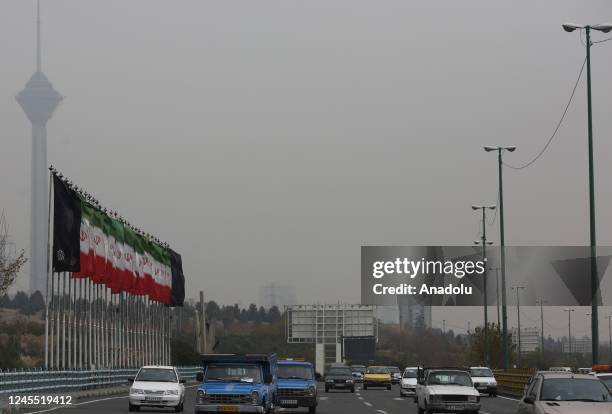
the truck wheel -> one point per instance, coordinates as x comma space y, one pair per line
326, 389
134, 408
389, 387
365, 386
353, 389
419, 409
312, 410
178, 408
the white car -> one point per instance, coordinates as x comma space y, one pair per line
157, 386
446, 390
408, 382
484, 380
565, 393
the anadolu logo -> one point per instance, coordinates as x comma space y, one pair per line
83, 235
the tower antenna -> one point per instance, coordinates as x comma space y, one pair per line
38, 45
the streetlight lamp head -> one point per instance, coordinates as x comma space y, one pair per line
604, 27
489, 148
570, 27
492, 207
475, 207
510, 149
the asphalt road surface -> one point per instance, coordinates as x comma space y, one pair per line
371, 401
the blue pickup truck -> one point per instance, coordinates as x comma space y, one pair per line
297, 386
237, 384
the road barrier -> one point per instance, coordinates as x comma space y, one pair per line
513, 381
36, 380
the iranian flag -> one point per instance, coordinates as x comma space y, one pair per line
86, 252
89, 243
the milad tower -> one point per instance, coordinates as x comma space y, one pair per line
39, 100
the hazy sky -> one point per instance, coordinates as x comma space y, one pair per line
269, 140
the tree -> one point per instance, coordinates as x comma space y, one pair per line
36, 303
21, 301
262, 315
10, 263
274, 314
5, 301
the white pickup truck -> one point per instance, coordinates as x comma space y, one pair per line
446, 390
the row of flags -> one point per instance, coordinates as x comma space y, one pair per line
91, 244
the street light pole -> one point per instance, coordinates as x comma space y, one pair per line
503, 250
605, 28
484, 242
569, 330
518, 314
497, 292
542, 302
610, 339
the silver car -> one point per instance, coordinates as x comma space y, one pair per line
565, 393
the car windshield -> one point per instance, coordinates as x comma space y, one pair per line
607, 379
377, 370
156, 375
358, 368
449, 378
481, 372
394, 370
410, 373
294, 372
233, 373
340, 371
574, 389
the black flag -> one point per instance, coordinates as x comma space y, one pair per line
178, 279
66, 228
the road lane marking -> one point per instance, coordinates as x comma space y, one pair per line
398, 399
361, 398
507, 398
367, 403
381, 411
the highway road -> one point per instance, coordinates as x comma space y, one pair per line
372, 401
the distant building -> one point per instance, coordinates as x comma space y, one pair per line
579, 345
530, 339
413, 314
276, 294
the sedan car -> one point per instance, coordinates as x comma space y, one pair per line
484, 380
157, 386
566, 393
396, 375
408, 382
376, 376
339, 378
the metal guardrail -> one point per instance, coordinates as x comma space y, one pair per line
513, 381
35, 380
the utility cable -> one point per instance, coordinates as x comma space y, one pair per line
556, 128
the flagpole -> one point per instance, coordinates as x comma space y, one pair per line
49, 270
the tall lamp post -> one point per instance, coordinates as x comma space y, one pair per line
569, 330
497, 291
502, 243
605, 28
541, 302
610, 339
518, 314
483, 241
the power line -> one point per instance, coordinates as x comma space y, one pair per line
603, 40
556, 128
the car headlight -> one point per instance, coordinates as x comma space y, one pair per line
171, 392
254, 397
472, 398
312, 390
329, 380
136, 391
201, 396
349, 381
